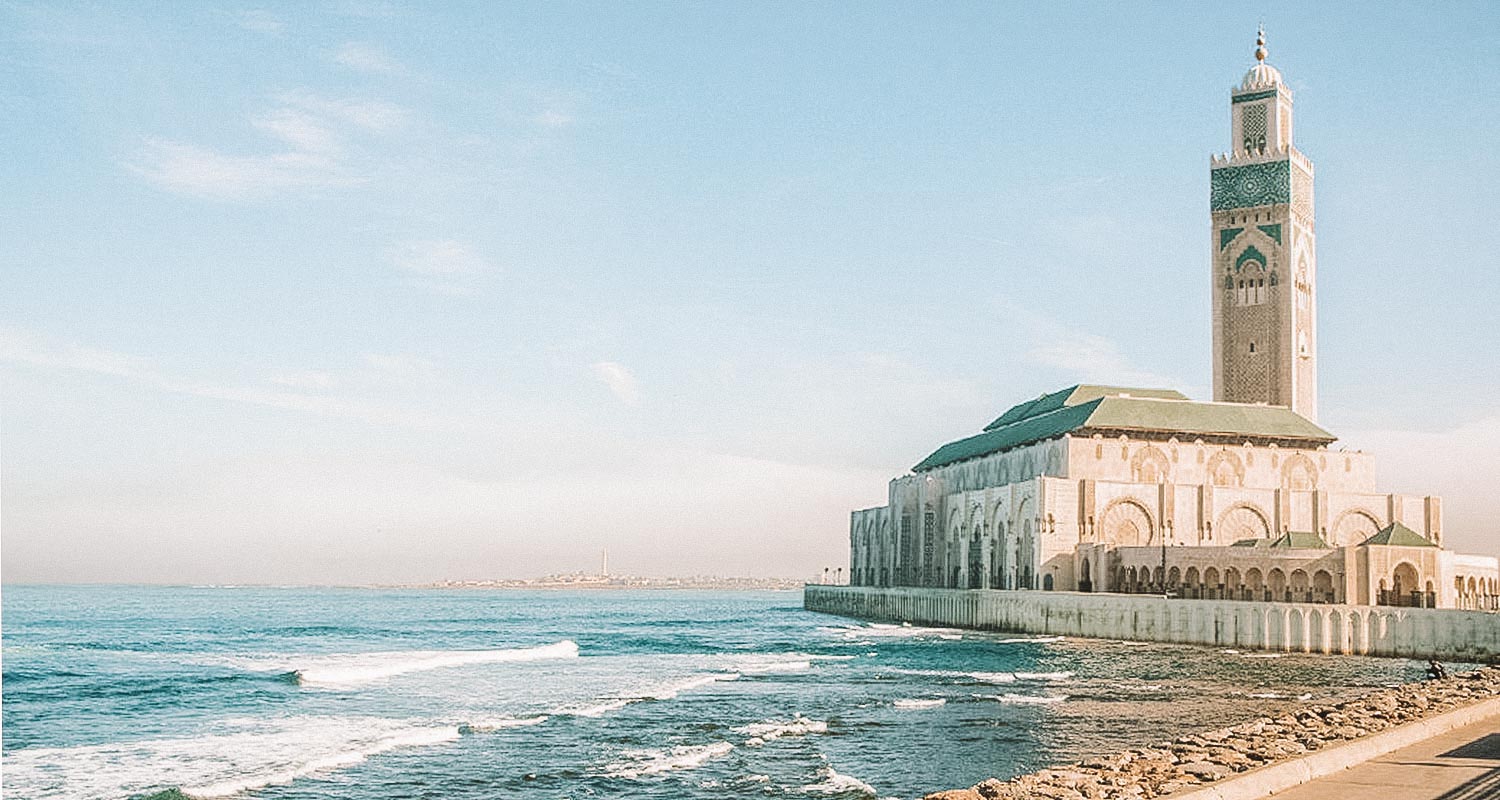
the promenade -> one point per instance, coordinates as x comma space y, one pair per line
1463, 764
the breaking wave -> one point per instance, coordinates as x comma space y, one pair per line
640, 763
239, 760
914, 703
834, 782
762, 732
353, 670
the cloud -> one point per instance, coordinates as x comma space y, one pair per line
619, 380
260, 21
304, 379
552, 118
444, 258
20, 348
1091, 357
366, 57
445, 266
312, 131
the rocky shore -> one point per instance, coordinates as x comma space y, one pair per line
1197, 759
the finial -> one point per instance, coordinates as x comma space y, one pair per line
1260, 44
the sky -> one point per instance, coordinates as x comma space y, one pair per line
365, 292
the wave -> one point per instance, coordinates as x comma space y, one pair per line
762, 732
1043, 676
666, 691
229, 758
670, 691
910, 704
502, 723
777, 667
1031, 639
880, 629
835, 782
353, 670
640, 763
1024, 699
981, 677
1261, 655
1278, 696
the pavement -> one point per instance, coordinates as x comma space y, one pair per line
1462, 764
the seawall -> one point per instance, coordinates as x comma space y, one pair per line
1444, 634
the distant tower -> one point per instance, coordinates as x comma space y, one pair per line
604, 562
1265, 262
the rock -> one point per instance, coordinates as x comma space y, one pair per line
955, 794
1206, 770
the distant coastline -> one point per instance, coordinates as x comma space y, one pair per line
608, 582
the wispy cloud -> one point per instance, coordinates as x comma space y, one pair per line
619, 380
260, 21
22, 348
312, 131
445, 266
366, 57
1091, 357
304, 379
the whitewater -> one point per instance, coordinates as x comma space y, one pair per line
356, 694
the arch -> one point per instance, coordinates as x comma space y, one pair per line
1353, 527
1242, 521
1126, 523
1276, 582
1174, 577
1047, 582
1300, 585
1211, 577
1190, 578
1085, 576
1233, 583
1404, 580
1322, 586
1225, 469
1150, 465
1299, 473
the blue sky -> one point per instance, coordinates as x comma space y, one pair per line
367, 292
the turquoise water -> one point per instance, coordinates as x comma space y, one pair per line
114, 692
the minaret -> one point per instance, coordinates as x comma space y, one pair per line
1265, 262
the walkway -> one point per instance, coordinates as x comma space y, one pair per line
1463, 764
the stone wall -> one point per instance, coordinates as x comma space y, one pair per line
1444, 634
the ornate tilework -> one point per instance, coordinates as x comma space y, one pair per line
1251, 185
1250, 254
1245, 98
1227, 235
1273, 231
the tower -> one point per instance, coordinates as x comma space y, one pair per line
1264, 252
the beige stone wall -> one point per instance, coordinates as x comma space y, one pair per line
1296, 627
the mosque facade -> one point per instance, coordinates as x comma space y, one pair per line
1114, 489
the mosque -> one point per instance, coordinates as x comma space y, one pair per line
1114, 489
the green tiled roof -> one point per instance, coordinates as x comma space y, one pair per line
1398, 535
1088, 408
1076, 395
1299, 540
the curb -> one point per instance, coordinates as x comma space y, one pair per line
1268, 780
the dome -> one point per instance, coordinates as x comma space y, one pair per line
1261, 74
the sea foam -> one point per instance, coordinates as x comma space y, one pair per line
227, 759
640, 763
834, 782
762, 732
909, 704
354, 670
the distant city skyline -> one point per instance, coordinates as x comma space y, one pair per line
360, 293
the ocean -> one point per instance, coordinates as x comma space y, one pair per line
131, 692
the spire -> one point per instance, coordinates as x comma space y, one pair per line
1260, 45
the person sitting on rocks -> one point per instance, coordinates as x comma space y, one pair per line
1435, 670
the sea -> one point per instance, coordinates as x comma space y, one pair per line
363, 693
